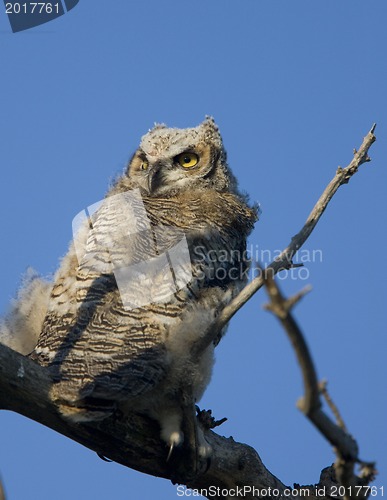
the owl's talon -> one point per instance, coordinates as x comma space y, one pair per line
102, 457
175, 439
170, 451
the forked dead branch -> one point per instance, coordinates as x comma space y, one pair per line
134, 440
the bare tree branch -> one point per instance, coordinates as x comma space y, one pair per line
284, 260
133, 441
345, 445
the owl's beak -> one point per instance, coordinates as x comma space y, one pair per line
155, 177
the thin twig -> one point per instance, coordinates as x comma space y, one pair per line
284, 260
324, 391
346, 447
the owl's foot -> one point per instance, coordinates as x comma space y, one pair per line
175, 439
192, 456
171, 431
204, 449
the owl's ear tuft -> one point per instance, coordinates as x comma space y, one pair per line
211, 133
210, 121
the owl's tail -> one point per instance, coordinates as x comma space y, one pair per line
21, 327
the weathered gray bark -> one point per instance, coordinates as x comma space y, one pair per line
133, 442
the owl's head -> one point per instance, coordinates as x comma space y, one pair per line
172, 160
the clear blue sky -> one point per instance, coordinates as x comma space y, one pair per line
294, 87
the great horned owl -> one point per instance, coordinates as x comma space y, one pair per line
107, 351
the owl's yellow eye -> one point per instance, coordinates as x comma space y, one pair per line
144, 165
187, 160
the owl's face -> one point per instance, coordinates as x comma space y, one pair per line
171, 160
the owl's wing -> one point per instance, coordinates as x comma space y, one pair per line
122, 350
94, 345
105, 351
